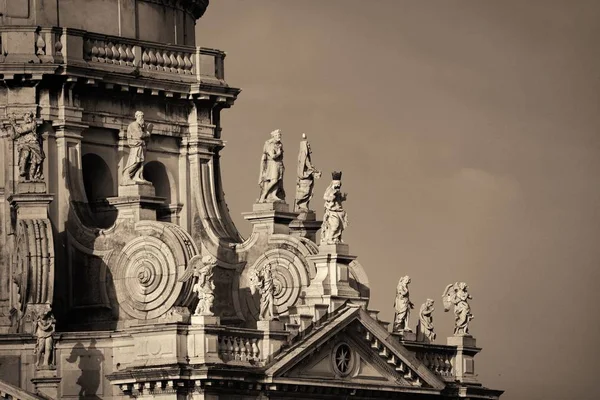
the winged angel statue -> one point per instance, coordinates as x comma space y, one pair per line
202, 268
456, 294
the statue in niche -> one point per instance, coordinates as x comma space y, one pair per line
456, 294
205, 286
402, 305
138, 133
425, 326
262, 280
29, 147
335, 219
44, 347
271, 170
306, 176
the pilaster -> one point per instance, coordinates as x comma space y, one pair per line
464, 363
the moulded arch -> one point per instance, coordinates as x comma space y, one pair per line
162, 179
97, 177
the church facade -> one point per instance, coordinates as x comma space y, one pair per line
122, 274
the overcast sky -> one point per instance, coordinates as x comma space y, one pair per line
468, 133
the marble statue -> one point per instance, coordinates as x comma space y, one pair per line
271, 170
44, 347
262, 280
335, 219
456, 294
205, 286
306, 175
425, 325
402, 305
138, 133
29, 147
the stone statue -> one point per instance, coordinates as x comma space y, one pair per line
457, 294
306, 176
402, 305
44, 347
205, 286
263, 281
335, 219
271, 170
29, 147
138, 133
425, 325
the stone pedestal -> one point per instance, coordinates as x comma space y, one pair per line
202, 320
46, 383
270, 218
306, 225
332, 278
203, 340
464, 363
156, 345
408, 336
136, 202
274, 337
31, 200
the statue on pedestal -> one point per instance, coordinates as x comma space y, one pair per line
425, 325
306, 176
29, 147
456, 294
138, 133
44, 347
205, 286
271, 170
402, 305
335, 219
263, 281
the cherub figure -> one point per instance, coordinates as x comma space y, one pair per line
425, 325
263, 281
202, 269
456, 294
402, 305
44, 347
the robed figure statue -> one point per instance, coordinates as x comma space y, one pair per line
271, 170
335, 219
138, 133
306, 174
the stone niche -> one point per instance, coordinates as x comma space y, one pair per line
166, 21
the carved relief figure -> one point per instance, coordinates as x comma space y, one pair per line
402, 305
306, 176
263, 281
456, 294
271, 170
138, 133
425, 326
29, 147
205, 286
44, 347
335, 219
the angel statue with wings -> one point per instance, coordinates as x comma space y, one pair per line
262, 279
456, 294
204, 286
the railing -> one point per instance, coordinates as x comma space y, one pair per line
438, 359
238, 346
121, 55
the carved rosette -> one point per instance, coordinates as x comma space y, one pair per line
290, 275
148, 271
33, 269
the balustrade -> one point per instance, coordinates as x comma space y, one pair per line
239, 348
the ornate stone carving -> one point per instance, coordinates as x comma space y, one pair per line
402, 305
205, 286
262, 279
456, 294
138, 133
271, 170
425, 326
44, 347
335, 219
306, 175
29, 147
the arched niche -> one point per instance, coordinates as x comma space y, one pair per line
99, 184
157, 173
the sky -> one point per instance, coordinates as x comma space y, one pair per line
468, 133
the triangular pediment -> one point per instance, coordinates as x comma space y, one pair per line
352, 348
